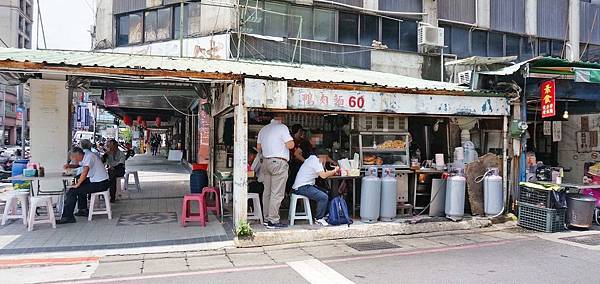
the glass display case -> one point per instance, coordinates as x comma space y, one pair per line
384, 148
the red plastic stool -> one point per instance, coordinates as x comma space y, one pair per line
217, 205
187, 215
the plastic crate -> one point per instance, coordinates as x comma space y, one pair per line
535, 196
541, 219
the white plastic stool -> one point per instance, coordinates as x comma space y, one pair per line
41, 201
10, 208
256, 214
136, 179
93, 210
306, 215
121, 188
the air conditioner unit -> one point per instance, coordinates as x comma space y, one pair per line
430, 36
464, 78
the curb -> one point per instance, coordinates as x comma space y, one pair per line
10, 263
357, 231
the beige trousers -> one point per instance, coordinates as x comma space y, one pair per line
274, 173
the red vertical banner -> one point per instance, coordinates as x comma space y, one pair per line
204, 124
548, 96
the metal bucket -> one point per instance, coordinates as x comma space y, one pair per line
580, 212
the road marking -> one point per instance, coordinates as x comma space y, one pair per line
317, 272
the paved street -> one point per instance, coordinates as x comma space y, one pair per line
507, 256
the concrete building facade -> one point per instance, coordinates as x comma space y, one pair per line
348, 32
16, 21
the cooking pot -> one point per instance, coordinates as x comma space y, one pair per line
580, 212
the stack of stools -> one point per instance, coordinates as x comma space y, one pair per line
203, 206
35, 203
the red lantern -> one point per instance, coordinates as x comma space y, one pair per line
139, 119
157, 121
127, 120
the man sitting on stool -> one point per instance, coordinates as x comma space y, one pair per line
93, 178
305, 182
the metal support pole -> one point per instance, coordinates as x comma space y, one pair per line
181, 28
505, 159
21, 96
3, 113
240, 159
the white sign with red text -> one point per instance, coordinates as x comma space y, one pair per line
375, 102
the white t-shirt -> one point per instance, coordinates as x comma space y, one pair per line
309, 172
272, 139
97, 172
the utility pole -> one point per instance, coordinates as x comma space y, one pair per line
3, 113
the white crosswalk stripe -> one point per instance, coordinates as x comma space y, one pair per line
316, 272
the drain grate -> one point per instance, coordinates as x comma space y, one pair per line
590, 240
367, 246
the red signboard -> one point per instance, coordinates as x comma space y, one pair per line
548, 96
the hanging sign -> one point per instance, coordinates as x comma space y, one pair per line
547, 128
547, 91
556, 131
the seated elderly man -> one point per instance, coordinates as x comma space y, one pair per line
93, 178
115, 162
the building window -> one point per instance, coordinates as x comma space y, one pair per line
557, 48
324, 25
251, 18
544, 47
390, 33
157, 25
593, 53
369, 29
512, 45
194, 27
123, 30
176, 17
136, 29
460, 42
495, 44
408, 36
150, 25
348, 28
527, 48
479, 43
275, 22
301, 16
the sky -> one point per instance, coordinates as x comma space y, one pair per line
66, 24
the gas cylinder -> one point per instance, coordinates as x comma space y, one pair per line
492, 192
389, 194
455, 196
370, 196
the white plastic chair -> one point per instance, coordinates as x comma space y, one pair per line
94, 211
256, 214
41, 201
306, 215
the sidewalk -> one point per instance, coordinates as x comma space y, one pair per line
123, 265
145, 220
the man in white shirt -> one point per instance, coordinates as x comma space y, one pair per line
305, 182
275, 142
93, 178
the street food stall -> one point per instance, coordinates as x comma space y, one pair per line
403, 130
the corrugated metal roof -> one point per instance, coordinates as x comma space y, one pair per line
310, 73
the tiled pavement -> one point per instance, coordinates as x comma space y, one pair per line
146, 264
163, 184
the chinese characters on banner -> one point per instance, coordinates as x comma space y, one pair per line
547, 91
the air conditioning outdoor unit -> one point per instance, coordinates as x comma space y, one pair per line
430, 36
464, 78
